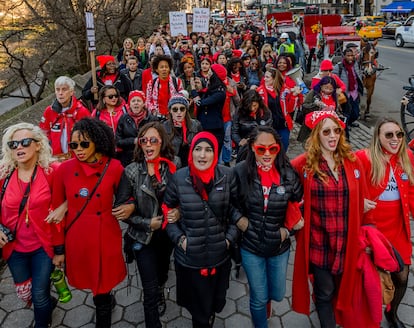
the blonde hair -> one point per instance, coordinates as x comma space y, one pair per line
314, 155
379, 161
130, 40
7, 163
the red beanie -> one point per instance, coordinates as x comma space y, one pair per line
326, 65
136, 93
220, 71
104, 59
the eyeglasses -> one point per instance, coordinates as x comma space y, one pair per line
112, 96
390, 135
152, 141
176, 109
327, 132
261, 150
26, 142
83, 144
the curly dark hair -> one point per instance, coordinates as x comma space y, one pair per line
233, 61
166, 150
323, 81
281, 161
97, 132
158, 59
249, 97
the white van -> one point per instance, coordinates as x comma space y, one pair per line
405, 33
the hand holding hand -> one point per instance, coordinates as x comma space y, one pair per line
156, 222
173, 215
124, 211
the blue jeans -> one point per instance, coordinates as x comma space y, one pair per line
38, 266
267, 281
284, 135
227, 148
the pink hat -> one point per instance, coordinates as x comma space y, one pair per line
326, 65
313, 118
104, 59
220, 71
136, 93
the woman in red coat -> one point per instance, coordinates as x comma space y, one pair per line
334, 192
281, 100
388, 167
93, 240
26, 168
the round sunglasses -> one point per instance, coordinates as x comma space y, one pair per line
390, 135
261, 150
26, 142
182, 109
327, 132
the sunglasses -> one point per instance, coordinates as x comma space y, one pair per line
176, 109
390, 135
26, 142
112, 96
261, 150
152, 141
75, 145
327, 132
266, 52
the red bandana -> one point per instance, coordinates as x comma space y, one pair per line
157, 161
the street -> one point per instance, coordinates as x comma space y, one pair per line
390, 82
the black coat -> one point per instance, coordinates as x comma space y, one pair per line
243, 126
136, 82
262, 236
125, 135
180, 149
206, 225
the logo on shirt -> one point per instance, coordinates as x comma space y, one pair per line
84, 192
404, 176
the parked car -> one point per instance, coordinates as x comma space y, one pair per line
405, 33
388, 31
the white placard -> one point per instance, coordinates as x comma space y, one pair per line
178, 23
201, 19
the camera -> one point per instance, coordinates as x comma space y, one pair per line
7, 232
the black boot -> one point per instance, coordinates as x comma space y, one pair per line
400, 281
162, 306
103, 303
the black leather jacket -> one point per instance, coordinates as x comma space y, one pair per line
206, 224
262, 236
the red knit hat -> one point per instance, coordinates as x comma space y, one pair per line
104, 59
326, 65
313, 118
136, 93
220, 71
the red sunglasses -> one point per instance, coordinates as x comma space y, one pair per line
261, 150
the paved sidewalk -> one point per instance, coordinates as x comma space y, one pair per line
128, 313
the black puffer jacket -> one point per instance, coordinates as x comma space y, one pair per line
136, 182
242, 126
205, 225
262, 236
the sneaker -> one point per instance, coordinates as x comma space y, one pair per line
269, 309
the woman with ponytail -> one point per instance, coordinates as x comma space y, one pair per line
205, 193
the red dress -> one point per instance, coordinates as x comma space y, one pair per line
392, 218
93, 244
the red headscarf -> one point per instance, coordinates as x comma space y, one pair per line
201, 178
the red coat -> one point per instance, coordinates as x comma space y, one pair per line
111, 120
93, 245
405, 189
300, 287
38, 207
53, 121
367, 298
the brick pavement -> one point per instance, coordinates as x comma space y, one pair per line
128, 313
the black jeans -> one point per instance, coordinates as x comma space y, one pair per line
325, 286
153, 262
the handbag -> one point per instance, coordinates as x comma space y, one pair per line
387, 286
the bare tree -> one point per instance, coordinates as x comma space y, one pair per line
41, 39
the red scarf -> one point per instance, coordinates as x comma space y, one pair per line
157, 162
137, 117
351, 77
182, 125
271, 91
202, 178
268, 176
